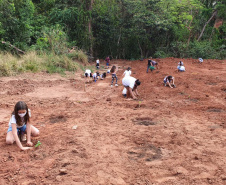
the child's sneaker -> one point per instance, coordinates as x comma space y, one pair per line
116, 85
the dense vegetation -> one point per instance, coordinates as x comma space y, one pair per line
128, 29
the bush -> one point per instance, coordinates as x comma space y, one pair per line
201, 49
76, 54
160, 54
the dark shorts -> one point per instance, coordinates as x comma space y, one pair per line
86, 74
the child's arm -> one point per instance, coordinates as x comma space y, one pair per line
169, 85
29, 143
14, 130
136, 92
132, 94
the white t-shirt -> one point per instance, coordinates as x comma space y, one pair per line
200, 60
97, 61
182, 68
127, 73
108, 71
88, 71
13, 120
181, 63
129, 81
94, 75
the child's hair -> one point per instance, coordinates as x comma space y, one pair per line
113, 69
98, 74
104, 75
128, 68
137, 82
170, 78
20, 105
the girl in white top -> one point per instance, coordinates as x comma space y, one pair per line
98, 63
127, 72
131, 84
181, 68
88, 73
169, 80
200, 60
20, 124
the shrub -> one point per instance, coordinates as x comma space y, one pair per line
76, 54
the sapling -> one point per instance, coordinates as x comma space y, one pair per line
38, 144
139, 103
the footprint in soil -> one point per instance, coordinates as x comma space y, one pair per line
213, 109
56, 119
146, 152
146, 121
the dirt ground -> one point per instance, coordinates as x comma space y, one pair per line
170, 136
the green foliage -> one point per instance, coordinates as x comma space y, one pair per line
201, 49
31, 62
54, 39
129, 29
160, 54
78, 55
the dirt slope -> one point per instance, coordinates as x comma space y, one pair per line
176, 136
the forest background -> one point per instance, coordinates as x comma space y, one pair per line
125, 29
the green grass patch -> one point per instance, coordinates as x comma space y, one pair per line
32, 62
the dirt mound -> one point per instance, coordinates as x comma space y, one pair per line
90, 134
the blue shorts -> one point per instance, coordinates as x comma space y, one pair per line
107, 64
164, 81
21, 129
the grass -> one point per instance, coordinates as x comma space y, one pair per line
32, 62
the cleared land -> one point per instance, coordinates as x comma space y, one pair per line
175, 136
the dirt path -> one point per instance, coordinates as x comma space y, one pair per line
176, 136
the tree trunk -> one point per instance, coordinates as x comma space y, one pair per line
141, 51
90, 29
203, 29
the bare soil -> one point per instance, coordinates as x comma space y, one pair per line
168, 136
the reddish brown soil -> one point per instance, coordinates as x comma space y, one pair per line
176, 136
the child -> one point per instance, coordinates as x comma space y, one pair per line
114, 70
107, 61
102, 76
167, 81
180, 63
200, 60
20, 124
88, 74
153, 64
98, 63
95, 77
149, 64
131, 84
181, 67
127, 72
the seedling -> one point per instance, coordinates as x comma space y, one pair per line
38, 144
